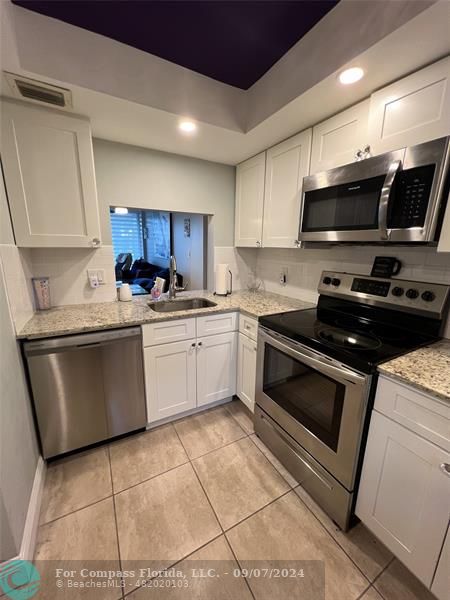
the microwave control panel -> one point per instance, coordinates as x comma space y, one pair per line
411, 194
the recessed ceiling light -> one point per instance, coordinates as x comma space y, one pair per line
351, 75
121, 210
187, 126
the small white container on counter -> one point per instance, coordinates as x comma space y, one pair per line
125, 294
41, 288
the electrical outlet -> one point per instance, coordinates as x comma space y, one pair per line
96, 277
283, 276
101, 276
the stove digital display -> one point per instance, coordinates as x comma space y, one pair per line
367, 286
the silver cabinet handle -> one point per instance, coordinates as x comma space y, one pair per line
258, 243
95, 242
445, 468
384, 198
200, 344
193, 345
297, 243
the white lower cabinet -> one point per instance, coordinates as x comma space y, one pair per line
216, 367
441, 582
183, 375
170, 374
246, 372
404, 493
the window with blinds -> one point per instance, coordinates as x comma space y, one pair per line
127, 234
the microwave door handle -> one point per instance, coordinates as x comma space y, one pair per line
384, 199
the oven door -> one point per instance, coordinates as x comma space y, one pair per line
315, 399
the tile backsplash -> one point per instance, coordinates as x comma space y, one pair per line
240, 261
305, 265
18, 272
67, 270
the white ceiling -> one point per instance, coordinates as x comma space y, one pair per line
421, 40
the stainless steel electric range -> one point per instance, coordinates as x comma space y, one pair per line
316, 376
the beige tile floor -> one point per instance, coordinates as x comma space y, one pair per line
199, 493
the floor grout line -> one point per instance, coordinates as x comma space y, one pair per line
72, 512
115, 519
217, 518
379, 575
334, 539
226, 406
150, 478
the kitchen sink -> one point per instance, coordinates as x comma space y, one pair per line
185, 304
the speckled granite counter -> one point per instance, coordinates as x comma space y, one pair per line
427, 369
79, 318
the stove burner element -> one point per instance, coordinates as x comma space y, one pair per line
346, 339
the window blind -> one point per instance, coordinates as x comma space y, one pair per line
127, 234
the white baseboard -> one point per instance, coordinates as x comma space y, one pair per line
28, 545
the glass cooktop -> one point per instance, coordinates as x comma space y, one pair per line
355, 340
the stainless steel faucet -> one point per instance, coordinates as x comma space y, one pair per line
173, 285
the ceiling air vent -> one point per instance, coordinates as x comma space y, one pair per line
38, 91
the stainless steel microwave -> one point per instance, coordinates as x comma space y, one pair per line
398, 197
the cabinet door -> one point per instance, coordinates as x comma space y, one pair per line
287, 164
170, 379
441, 581
403, 495
246, 371
336, 140
216, 367
49, 172
411, 111
250, 201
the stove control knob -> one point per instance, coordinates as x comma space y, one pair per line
412, 294
336, 282
428, 296
397, 291
326, 280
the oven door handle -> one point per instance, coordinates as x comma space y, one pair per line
320, 365
384, 199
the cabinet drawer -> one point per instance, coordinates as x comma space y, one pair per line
248, 326
168, 331
212, 324
419, 412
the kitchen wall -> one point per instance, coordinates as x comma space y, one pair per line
18, 447
304, 266
136, 178
142, 178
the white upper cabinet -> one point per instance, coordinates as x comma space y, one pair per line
250, 201
286, 165
411, 111
336, 140
50, 178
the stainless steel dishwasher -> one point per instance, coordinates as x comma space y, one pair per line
86, 388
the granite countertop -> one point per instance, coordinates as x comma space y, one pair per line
427, 369
79, 318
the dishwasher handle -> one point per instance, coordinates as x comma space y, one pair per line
83, 340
